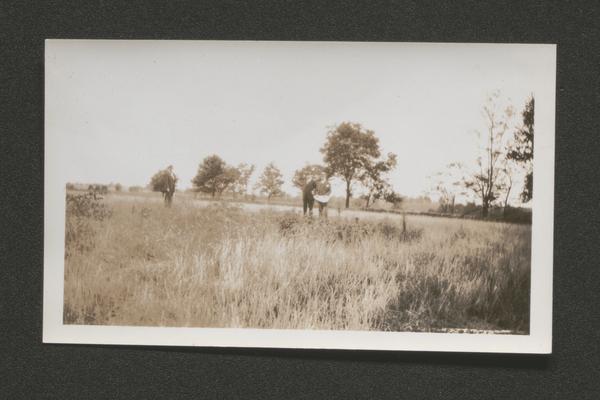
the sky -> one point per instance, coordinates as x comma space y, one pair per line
118, 111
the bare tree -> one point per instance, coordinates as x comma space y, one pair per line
506, 183
447, 185
486, 181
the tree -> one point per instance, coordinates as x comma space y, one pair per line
372, 178
214, 176
118, 187
307, 173
392, 197
447, 185
242, 176
165, 181
506, 183
522, 149
446, 197
270, 181
348, 151
485, 182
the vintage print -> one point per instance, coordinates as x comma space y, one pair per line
300, 191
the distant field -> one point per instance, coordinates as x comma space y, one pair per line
131, 261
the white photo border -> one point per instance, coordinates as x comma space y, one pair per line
538, 341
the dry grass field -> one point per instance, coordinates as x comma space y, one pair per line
139, 263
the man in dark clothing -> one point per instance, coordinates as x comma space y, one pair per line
307, 196
169, 190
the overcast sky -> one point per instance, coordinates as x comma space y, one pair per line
122, 110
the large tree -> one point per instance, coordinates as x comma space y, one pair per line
307, 173
487, 181
214, 176
164, 181
348, 151
270, 181
373, 178
522, 149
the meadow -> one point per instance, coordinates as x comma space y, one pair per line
132, 261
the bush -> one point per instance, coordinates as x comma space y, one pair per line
288, 223
82, 212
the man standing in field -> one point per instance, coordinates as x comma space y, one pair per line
323, 193
169, 191
308, 199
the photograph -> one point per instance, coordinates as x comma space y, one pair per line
343, 195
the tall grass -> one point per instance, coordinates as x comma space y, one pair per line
221, 266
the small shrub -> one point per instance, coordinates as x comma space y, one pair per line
288, 223
81, 213
87, 205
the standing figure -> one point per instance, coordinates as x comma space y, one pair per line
169, 189
322, 196
308, 199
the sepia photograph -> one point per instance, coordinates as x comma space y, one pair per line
299, 194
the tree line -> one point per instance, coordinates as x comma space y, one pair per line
501, 156
353, 154
350, 152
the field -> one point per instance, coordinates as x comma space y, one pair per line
131, 261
